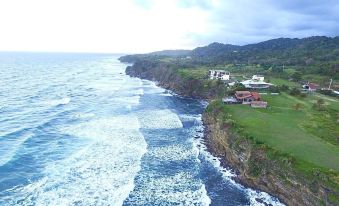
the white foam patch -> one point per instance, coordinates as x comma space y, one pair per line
101, 173
190, 117
172, 153
127, 101
159, 119
171, 190
215, 161
166, 94
263, 198
105, 128
56, 102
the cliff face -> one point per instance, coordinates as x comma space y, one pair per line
255, 169
168, 78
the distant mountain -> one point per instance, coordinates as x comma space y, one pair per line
276, 51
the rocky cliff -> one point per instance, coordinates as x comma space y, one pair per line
168, 77
255, 169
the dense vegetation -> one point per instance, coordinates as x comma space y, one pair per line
311, 55
284, 57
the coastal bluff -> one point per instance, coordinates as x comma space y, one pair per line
252, 162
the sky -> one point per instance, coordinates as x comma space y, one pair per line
138, 26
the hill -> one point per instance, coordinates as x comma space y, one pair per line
319, 54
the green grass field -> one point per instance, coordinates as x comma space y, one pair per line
280, 82
306, 134
199, 73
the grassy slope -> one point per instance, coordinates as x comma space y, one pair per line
306, 134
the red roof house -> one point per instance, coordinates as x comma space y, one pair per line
311, 87
246, 96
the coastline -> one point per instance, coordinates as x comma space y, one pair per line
236, 152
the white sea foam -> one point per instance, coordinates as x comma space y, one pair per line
172, 153
127, 101
56, 102
263, 196
166, 94
159, 119
100, 173
177, 189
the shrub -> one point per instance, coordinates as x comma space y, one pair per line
319, 105
295, 92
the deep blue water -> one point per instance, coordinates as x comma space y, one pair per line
75, 130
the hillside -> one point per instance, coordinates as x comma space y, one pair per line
314, 54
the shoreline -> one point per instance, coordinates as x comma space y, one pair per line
234, 151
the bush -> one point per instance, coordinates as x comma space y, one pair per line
283, 88
274, 89
295, 92
319, 105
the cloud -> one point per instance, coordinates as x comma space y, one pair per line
148, 25
246, 21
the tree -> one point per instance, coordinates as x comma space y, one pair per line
296, 76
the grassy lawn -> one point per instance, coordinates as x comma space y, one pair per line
307, 134
279, 82
200, 73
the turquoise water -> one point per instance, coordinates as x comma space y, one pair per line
75, 130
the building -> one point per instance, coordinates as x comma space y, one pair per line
219, 74
258, 104
258, 78
246, 96
254, 84
310, 87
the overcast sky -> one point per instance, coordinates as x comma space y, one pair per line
147, 25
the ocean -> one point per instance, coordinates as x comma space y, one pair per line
75, 130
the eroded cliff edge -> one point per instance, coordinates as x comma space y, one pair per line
254, 166
257, 165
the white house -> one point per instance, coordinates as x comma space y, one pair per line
254, 84
258, 78
219, 74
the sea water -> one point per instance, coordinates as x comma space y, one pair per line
75, 130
